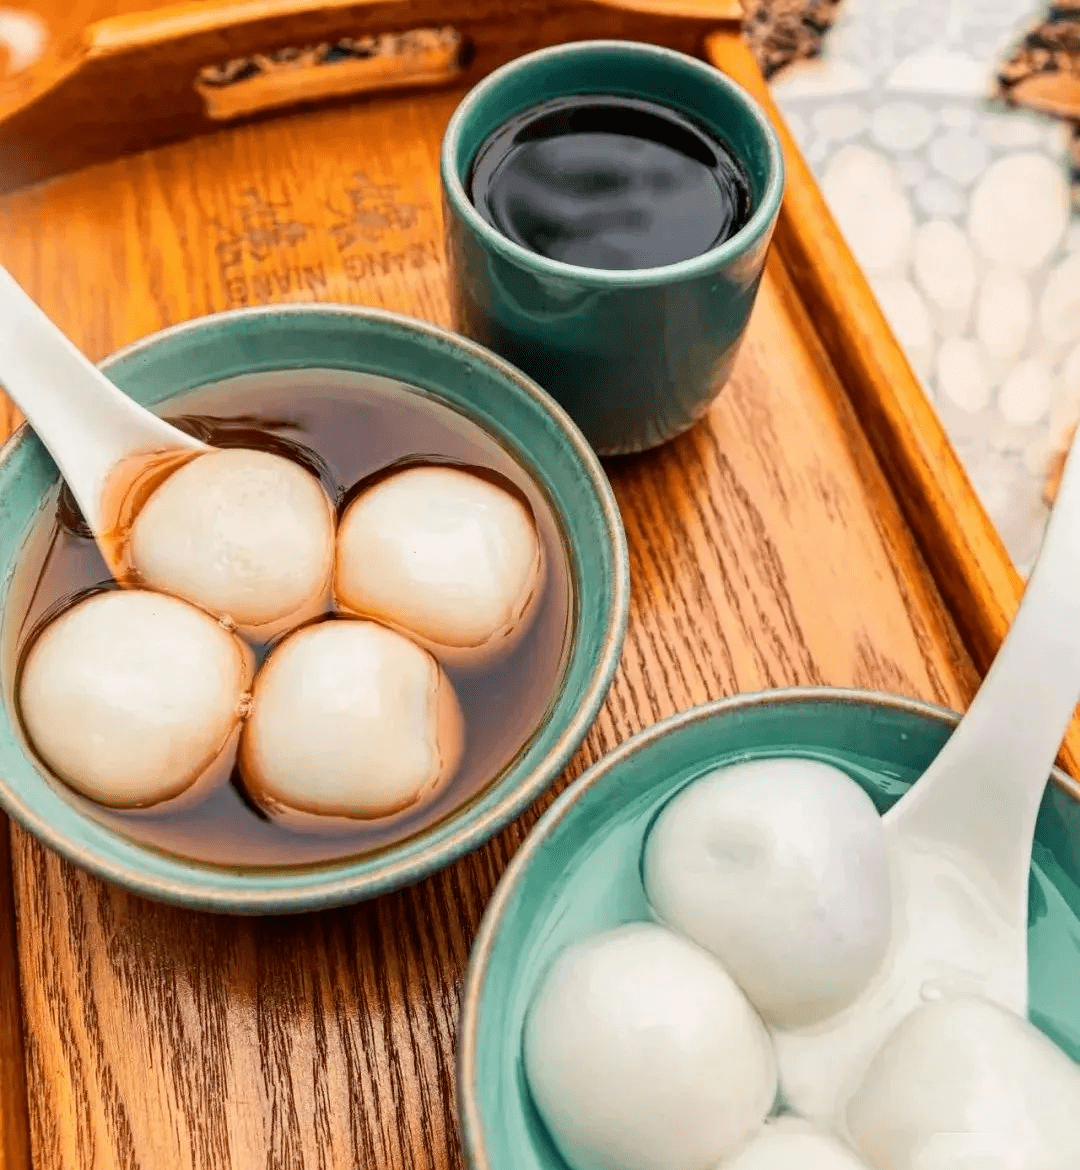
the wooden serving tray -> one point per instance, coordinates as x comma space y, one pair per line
814, 528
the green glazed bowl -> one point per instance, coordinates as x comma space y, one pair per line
578, 873
516, 412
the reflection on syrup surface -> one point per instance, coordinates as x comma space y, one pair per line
344, 428
601, 181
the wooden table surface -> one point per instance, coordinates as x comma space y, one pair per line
767, 549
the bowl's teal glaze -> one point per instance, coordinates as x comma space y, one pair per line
516, 412
635, 356
579, 872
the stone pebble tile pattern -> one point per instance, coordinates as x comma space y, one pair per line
960, 212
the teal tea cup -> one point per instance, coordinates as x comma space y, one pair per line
579, 872
635, 356
343, 343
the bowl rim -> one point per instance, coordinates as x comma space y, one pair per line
469, 1116
338, 887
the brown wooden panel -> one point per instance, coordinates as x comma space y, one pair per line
14, 1128
766, 545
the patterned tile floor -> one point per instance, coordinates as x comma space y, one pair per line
959, 210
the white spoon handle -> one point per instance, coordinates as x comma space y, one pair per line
85, 422
982, 793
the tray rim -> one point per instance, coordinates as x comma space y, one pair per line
978, 585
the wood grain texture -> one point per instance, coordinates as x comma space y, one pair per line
14, 1116
766, 549
958, 540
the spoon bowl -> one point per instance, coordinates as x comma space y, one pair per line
579, 872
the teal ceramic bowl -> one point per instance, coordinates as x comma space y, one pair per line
579, 872
459, 373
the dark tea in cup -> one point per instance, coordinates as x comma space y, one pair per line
604, 181
609, 206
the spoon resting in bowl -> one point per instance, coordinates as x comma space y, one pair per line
246, 535
960, 839
93, 431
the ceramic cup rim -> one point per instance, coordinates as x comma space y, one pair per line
743, 241
471, 1120
331, 883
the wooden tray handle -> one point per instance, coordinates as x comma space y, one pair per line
258, 82
138, 81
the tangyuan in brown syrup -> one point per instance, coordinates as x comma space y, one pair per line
360, 727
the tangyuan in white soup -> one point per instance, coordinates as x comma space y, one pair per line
962, 1082
789, 1143
779, 868
641, 1053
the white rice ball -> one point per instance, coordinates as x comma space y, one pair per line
965, 1083
642, 1054
779, 867
130, 697
789, 1143
445, 556
349, 720
245, 534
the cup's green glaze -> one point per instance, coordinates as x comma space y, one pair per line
459, 373
634, 356
579, 872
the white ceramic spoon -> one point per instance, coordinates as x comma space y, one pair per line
90, 428
960, 840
